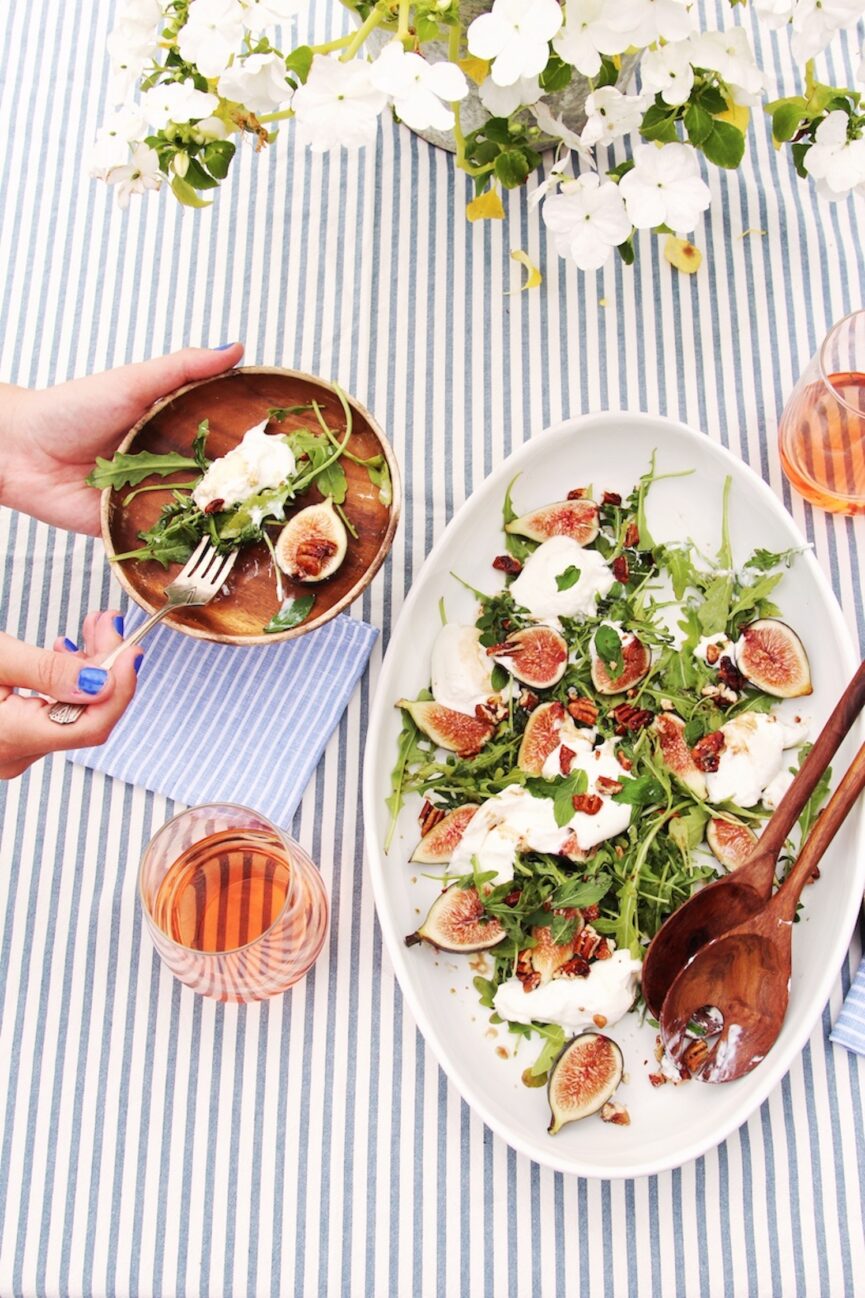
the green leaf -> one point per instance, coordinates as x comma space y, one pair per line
582, 892
698, 123
379, 476
198, 444
511, 168
292, 613
608, 647
714, 612
332, 482
124, 470
186, 195
520, 547
608, 75
786, 119
197, 177
621, 169
556, 75
659, 123
640, 791
279, 413
725, 146
686, 830
565, 580
749, 597
562, 790
626, 250
764, 560
499, 677
217, 157
498, 129
486, 990
299, 61
412, 749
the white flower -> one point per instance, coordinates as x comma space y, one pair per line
338, 104
111, 146
211, 35
610, 115
642, 22
775, 13
729, 54
550, 182
176, 101
555, 126
140, 173
501, 101
270, 13
259, 82
587, 220
515, 35
667, 71
815, 22
586, 35
665, 187
210, 128
131, 44
836, 163
417, 88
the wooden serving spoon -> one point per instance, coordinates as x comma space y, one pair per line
728, 901
746, 973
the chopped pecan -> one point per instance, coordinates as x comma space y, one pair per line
492, 711
713, 653
624, 761
577, 967
604, 784
628, 718
621, 571
214, 506
632, 536
312, 554
566, 757
507, 563
589, 803
525, 971
599, 1020
528, 701
611, 498
590, 912
576, 493
707, 751
658, 1079
583, 710
695, 1055
616, 1113
430, 815
730, 674
513, 896
588, 944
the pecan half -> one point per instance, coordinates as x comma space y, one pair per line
621, 571
707, 751
632, 536
583, 710
566, 757
312, 554
589, 803
507, 563
624, 761
430, 815
604, 784
590, 945
628, 718
611, 498
528, 701
576, 493
576, 967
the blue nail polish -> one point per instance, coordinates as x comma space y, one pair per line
118, 624
223, 347
139, 659
91, 679
70, 645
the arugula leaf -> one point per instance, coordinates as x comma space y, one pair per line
764, 560
640, 791
198, 444
608, 647
582, 892
554, 1044
379, 476
279, 413
562, 790
565, 580
714, 612
686, 829
748, 597
292, 613
520, 547
486, 990
332, 482
124, 470
410, 752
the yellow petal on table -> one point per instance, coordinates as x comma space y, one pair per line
486, 207
477, 70
738, 115
682, 254
533, 275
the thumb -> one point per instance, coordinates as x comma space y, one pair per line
63, 676
147, 381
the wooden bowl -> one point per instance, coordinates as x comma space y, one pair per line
232, 403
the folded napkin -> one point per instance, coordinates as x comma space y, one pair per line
849, 1029
215, 722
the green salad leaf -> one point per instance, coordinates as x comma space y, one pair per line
127, 470
292, 613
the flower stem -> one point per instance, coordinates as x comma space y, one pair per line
402, 32
277, 117
339, 43
375, 17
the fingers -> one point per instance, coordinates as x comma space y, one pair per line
147, 381
72, 677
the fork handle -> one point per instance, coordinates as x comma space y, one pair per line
65, 713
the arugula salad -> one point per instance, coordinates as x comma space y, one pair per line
599, 742
241, 498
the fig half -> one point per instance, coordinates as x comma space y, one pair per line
675, 753
540, 737
459, 733
437, 847
575, 518
771, 656
312, 544
582, 1079
457, 922
731, 844
637, 659
536, 656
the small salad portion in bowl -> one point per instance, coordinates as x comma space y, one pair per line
278, 465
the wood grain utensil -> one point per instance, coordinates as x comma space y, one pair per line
746, 973
728, 901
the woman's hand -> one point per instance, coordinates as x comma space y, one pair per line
67, 673
50, 437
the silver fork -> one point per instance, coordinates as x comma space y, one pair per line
199, 580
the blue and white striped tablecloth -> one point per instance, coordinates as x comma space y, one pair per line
153, 1143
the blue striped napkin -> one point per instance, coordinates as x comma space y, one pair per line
849, 1029
214, 722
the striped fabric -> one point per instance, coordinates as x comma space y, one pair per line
279, 704
849, 1028
154, 1143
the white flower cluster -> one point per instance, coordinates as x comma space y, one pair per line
815, 22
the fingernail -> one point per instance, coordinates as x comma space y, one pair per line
118, 624
91, 679
70, 645
223, 347
139, 659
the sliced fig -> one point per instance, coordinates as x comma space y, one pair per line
457, 922
455, 731
536, 656
771, 656
312, 544
575, 518
637, 658
731, 844
583, 1078
540, 737
437, 847
676, 755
